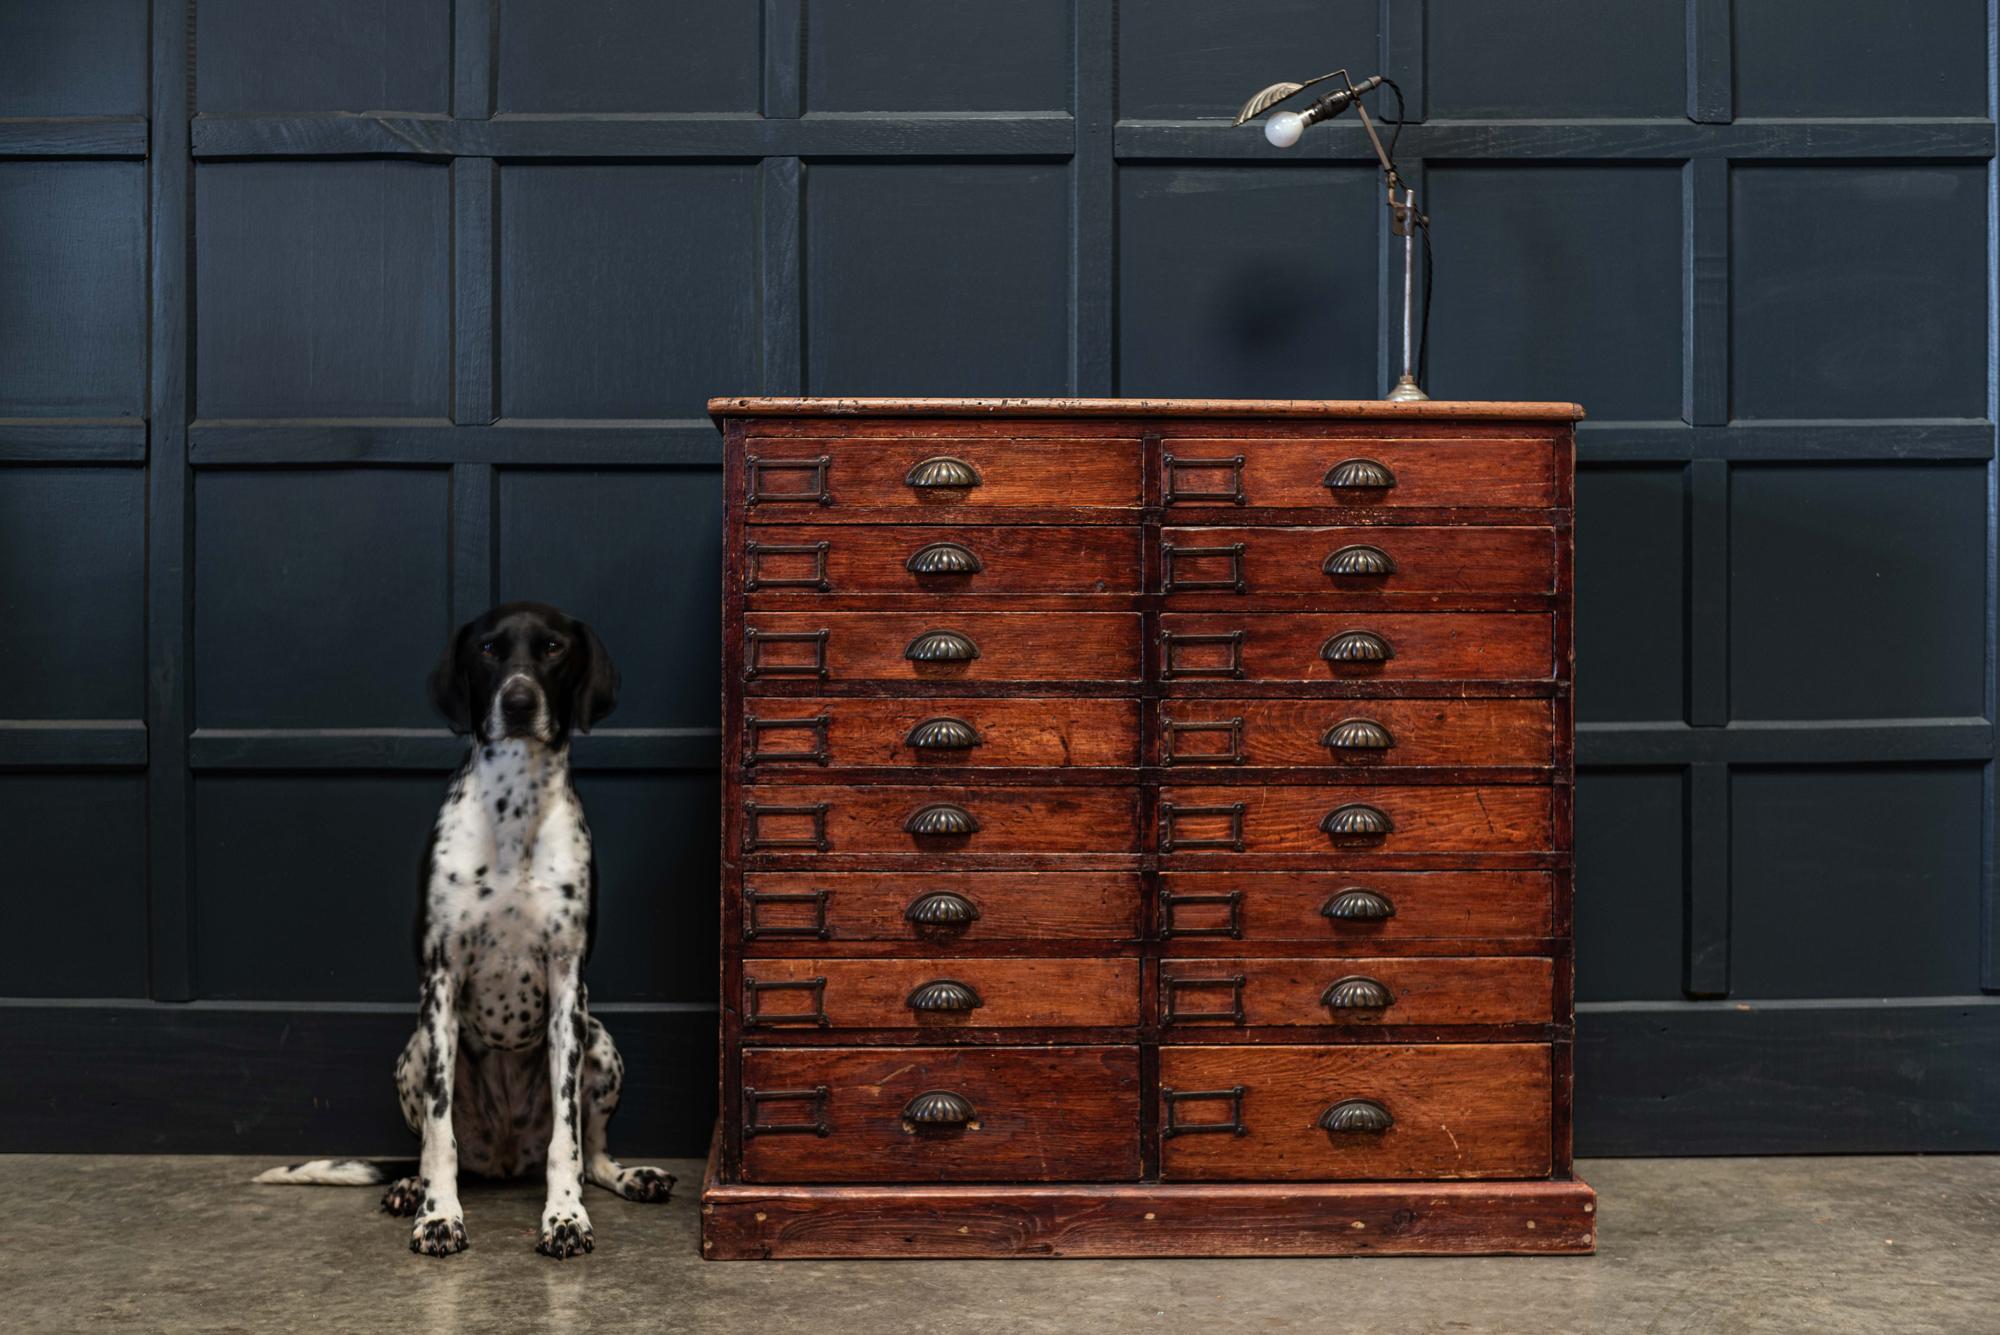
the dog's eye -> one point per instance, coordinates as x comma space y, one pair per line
491, 648
552, 648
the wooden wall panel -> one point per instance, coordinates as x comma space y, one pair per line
76, 903
1854, 292
1839, 573
323, 55
72, 289
581, 56
644, 585
1189, 58
80, 58
1631, 584
324, 289
622, 288
1854, 882
317, 592
1559, 275
1797, 57
944, 278
74, 596
1531, 58
1230, 283
937, 55
348, 319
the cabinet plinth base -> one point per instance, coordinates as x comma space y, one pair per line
740, 1222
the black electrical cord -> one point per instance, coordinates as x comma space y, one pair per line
1424, 329
1397, 132
1418, 220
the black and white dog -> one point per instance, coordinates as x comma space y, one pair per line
507, 1071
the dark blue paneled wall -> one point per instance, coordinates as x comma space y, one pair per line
324, 324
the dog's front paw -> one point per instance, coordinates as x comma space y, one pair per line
645, 1184
565, 1233
438, 1235
403, 1197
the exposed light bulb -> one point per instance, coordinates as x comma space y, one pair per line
1284, 129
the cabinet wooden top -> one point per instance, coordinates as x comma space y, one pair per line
1346, 409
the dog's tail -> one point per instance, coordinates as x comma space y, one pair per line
335, 1173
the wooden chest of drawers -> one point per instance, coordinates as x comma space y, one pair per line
1146, 829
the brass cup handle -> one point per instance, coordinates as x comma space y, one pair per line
941, 819
1356, 1117
941, 473
944, 994
1357, 734
1359, 560
1355, 904
941, 908
1356, 820
939, 1107
941, 646
942, 734
1356, 646
1359, 475
944, 558
1356, 992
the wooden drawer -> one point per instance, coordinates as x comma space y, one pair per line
790, 733
1208, 993
1355, 907
1329, 562
940, 994
1356, 734
847, 1114
1364, 646
1492, 819
1497, 471
1453, 1111
787, 562
941, 908
816, 647
800, 478
866, 818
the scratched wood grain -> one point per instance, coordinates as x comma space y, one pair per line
1459, 1110
1040, 1115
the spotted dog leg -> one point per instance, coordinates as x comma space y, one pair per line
440, 1226
407, 1193
603, 1081
565, 1223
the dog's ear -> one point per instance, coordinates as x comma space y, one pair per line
451, 681
596, 680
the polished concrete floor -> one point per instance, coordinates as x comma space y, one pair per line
1703, 1246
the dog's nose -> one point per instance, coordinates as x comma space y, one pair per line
517, 702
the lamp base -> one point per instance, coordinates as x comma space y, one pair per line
1407, 390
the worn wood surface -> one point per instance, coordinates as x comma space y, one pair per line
1338, 409
1285, 646
1010, 993
1495, 818
1020, 907
1426, 561
1459, 1110
870, 819
1294, 732
865, 647
874, 559
1012, 471
1488, 469
1053, 732
759, 1222
1285, 905
1040, 1115
1420, 991
1152, 705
